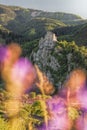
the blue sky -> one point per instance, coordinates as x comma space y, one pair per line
78, 7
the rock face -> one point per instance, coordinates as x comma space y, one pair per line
58, 58
43, 57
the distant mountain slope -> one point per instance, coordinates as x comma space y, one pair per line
81, 35
37, 27
3, 32
12, 16
32, 24
6, 14
13, 11
73, 33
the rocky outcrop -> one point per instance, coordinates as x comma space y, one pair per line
57, 58
44, 58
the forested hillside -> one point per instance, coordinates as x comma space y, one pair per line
43, 65
27, 26
21, 25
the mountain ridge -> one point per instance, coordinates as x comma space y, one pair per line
33, 24
22, 13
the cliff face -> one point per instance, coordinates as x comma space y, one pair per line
43, 57
57, 58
